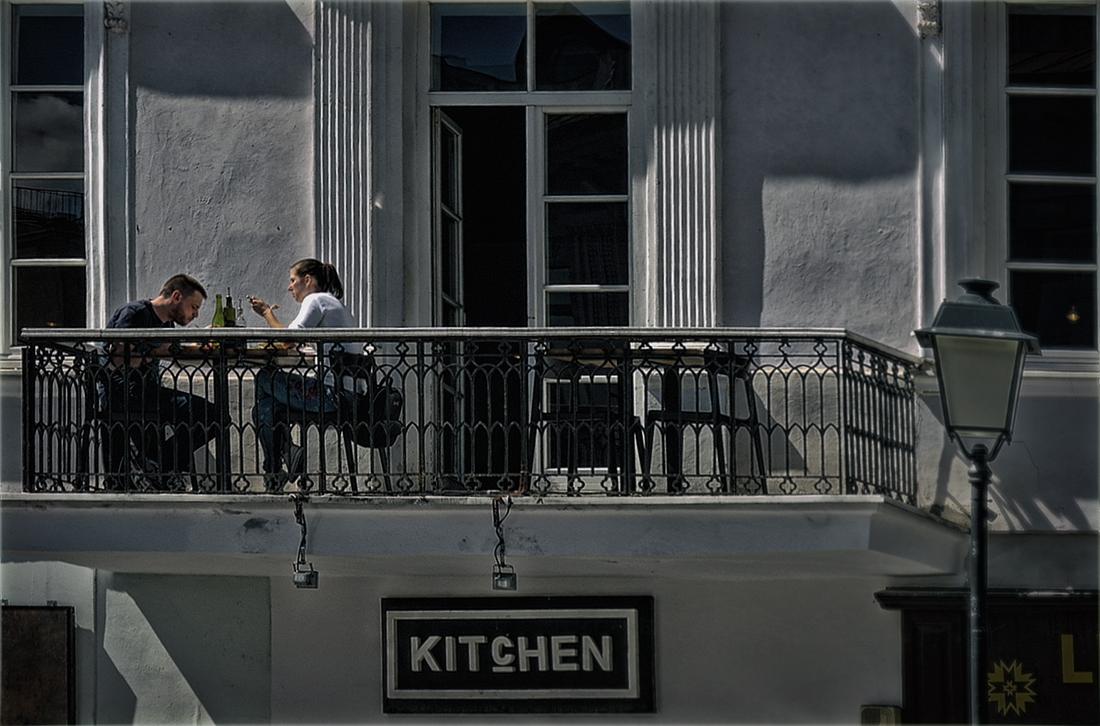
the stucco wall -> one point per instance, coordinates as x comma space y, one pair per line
222, 135
183, 649
196, 649
820, 140
773, 651
1046, 480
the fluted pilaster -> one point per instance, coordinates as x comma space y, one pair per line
679, 82
342, 144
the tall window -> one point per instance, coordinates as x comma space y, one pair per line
44, 167
1050, 184
587, 279
539, 95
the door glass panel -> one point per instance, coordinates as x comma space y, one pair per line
448, 162
1059, 307
1052, 135
479, 47
48, 45
587, 243
1052, 222
582, 47
49, 131
449, 251
50, 297
49, 218
599, 309
1051, 50
586, 154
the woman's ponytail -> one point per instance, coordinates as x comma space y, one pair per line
324, 273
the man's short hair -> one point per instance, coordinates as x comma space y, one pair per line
185, 284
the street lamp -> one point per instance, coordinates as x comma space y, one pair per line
979, 351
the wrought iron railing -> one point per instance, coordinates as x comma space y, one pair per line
461, 411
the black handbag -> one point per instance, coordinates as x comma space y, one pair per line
376, 416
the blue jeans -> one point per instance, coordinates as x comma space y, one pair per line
279, 395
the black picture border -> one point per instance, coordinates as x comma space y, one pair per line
645, 702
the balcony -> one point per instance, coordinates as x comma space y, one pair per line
543, 413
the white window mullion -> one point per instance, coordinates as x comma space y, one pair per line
536, 216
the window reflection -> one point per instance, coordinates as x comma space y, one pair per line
48, 45
50, 297
1052, 222
479, 47
49, 131
1051, 135
1051, 50
1059, 307
49, 219
587, 243
602, 309
582, 47
586, 154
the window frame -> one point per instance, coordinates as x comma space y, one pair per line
92, 91
537, 105
995, 257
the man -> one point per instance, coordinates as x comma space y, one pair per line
134, 391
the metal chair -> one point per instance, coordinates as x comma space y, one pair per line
673, 420
368, 415
588, 416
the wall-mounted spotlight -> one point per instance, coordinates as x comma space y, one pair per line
303, 578
504, 575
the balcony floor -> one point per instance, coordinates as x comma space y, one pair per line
757, 537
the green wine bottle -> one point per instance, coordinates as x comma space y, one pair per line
219, 313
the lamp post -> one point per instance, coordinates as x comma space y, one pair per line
979, 350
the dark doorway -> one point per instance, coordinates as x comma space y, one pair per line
494, 180
494, 264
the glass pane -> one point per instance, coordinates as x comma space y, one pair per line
49, 131
448, 165
1054, 222
479, 47
48, 45
979, 401
587, 244
1059, 307
586, 154
49, 218
450, 253
590, 309
582, 47
1051, 135
1051, 50
50, 297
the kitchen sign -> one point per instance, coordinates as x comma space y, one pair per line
518, 654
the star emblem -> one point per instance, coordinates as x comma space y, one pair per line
1010, 688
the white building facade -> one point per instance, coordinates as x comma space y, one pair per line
638, 165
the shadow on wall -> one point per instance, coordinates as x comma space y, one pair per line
1047, 478
232, 49
814, 90
185, 645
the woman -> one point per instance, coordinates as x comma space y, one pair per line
316, 286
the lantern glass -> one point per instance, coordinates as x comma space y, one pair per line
979, 379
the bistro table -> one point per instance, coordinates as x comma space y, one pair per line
223, 361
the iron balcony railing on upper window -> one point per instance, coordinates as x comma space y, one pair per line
462, 411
